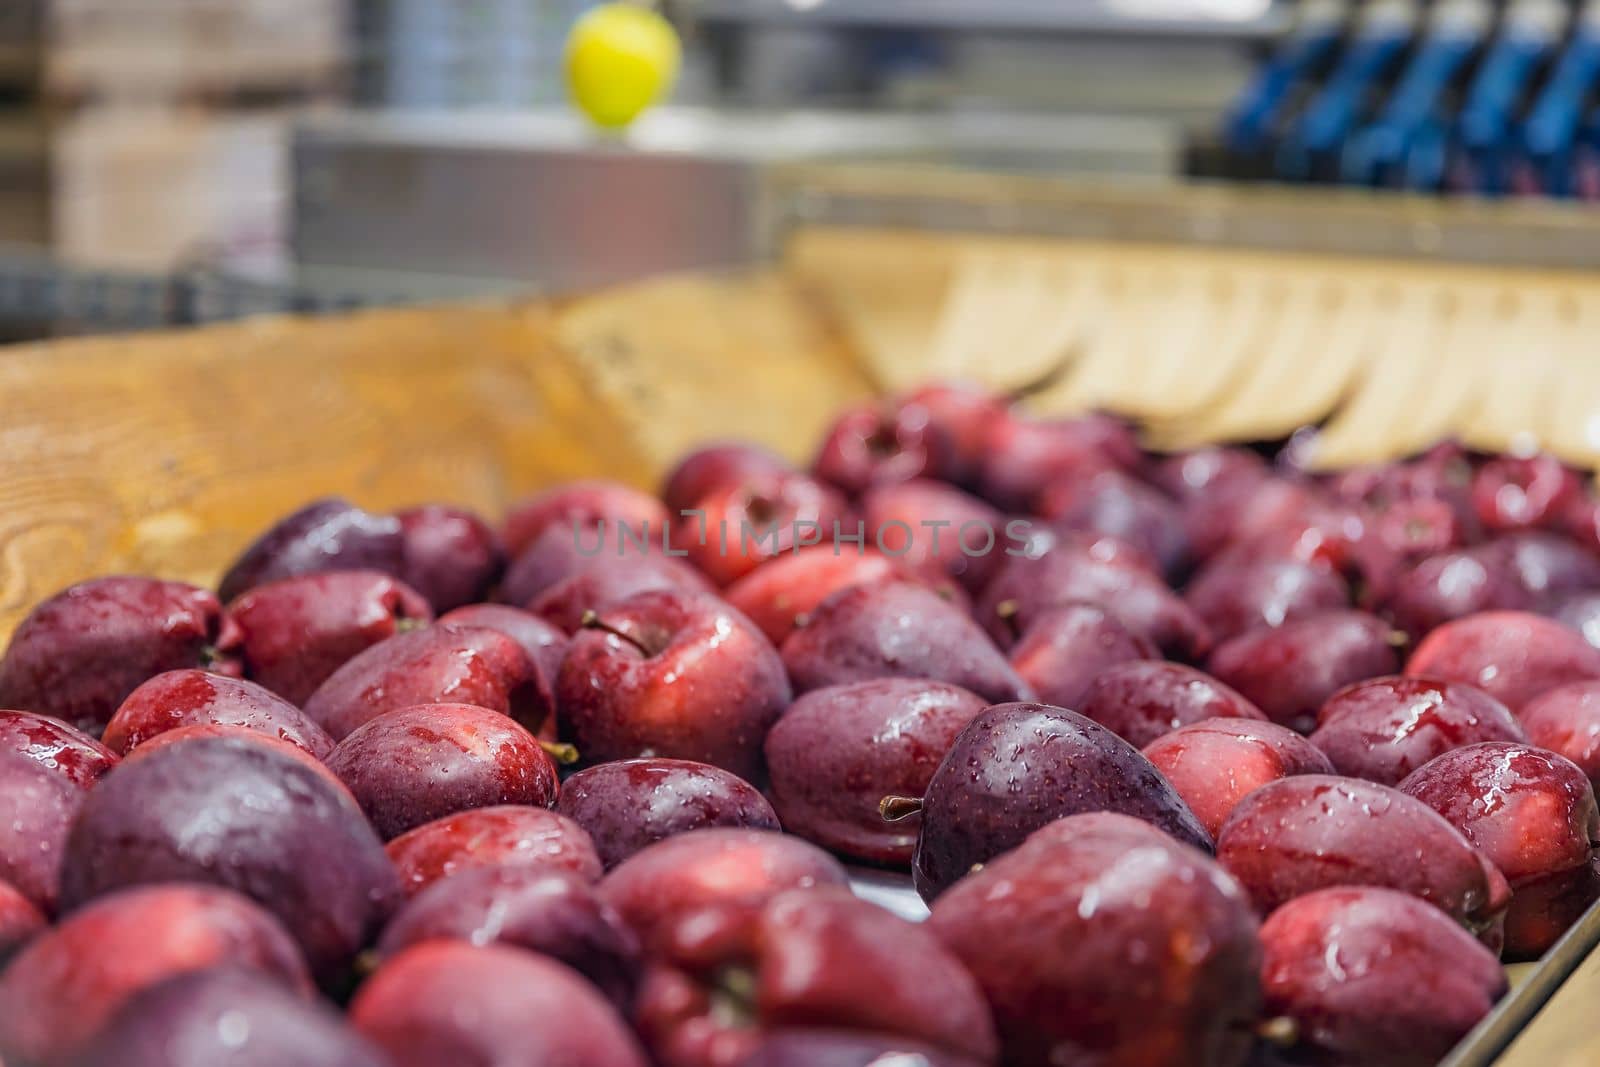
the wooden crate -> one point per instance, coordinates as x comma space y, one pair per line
157, 190
192, 51
165, 454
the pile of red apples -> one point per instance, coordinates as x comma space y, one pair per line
1199, 760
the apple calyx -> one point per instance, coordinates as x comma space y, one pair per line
1281, 1031
733, 997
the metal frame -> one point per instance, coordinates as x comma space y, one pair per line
34, 287
1332, 222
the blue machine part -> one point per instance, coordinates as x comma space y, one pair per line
1314, 142
1259, 109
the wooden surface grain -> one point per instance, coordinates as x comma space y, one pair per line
166, 453
1566, 1033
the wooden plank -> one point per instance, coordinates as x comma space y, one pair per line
686, 359
1567, 1032
165, 454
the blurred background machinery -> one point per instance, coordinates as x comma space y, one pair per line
318, 152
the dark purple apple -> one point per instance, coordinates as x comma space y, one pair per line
1288, 671
897, 630
234, 813
1022, 456
542, 909
837, 752
628, 804
1099, 572
226, 1017
37, 809
449, 555
1017, 767
326, 535
1119, 505
1235, 595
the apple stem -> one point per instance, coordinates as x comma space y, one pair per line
591, 621
1281, 1030
560, 751
365, 963
1397, 638
405, 624
1007, 610
896, 808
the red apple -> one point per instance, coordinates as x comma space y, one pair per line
295, 632
606, 583
194, 697
936, 529
816, 957
450, 555
716, 867
81, 652
782, 593
732, 530
672, 674
506, 836
1511, 655
882, 444
1382, 729
70, 753
442, 663
717, 466
577, 507
1566, 720
1215, 763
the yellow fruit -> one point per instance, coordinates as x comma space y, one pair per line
621, 58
